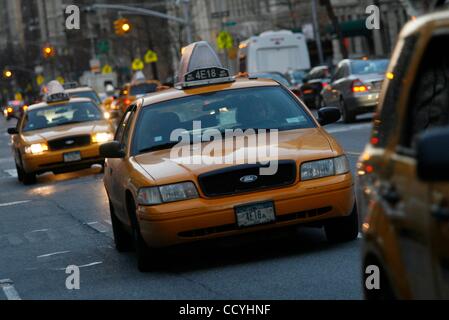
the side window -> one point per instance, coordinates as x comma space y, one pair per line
127, 130
385, 120
428, 103
122, 126
338, 73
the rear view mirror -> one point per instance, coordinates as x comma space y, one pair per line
433, 155
112, 150
328, 115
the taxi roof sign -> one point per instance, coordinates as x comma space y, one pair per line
55, 92
201, 66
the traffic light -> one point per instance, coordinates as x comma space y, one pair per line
7, 73
48, 51
122, 26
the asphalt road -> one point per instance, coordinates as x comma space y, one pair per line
64, 220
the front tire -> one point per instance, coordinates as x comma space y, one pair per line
343, 229
123, 240
348, 115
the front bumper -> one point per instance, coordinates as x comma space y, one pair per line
54, 160
201, 219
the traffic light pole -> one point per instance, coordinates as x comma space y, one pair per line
147, 12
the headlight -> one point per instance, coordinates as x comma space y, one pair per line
36, 148
102, 137
167, 193
324, 168
107, 115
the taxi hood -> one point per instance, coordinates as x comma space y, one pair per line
42, 135
299, 145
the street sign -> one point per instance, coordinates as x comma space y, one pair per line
61, 80
40, 80
103, 46
137, 64
225, 40
229, 23
18, 96
106, 69
151, 57
220, 14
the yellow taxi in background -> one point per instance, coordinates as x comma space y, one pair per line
158, 198
59, 135
403, 174
136, 89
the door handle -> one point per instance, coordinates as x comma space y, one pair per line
440, 213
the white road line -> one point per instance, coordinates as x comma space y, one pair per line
9, 290
51, 254
108, 221
82, 266
349, 128
9, 204
98, 226
11, 172
40, 230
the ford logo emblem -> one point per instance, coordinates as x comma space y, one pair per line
248, 179
69, 142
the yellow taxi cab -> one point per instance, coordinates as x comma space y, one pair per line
136, 89
171, 178
403, 180
61, 134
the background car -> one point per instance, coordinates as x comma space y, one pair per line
134, 90
355, 87
14, 109
296, 77
313, 83
279, 77
84, 92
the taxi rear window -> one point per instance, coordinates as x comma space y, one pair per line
62, 114
143, 88
92, 95
249, 108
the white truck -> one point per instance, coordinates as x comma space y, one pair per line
274, 51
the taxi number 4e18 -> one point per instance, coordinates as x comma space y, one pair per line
206, 73
255, 214
72, 156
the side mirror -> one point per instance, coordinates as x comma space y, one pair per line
12, 131
112, 150
433, 155
328, 115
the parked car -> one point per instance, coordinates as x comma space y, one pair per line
314, 82
355, 87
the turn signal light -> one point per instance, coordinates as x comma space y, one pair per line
358, 86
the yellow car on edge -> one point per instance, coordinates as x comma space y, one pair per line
60, 135
157, 200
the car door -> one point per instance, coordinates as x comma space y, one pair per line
114, 167
432, 112
424, 228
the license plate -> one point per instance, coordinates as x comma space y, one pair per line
255, 214
72, 156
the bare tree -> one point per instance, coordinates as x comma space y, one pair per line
334, 20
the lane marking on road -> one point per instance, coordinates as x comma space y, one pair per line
82, 266
9, 290
108, 221
52, 254
98, 226
40, 230
9, 204
11, 172
349, 128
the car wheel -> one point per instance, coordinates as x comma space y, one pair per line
123, 240
19, 173
28, 178
348, 116
142, 250
343, 229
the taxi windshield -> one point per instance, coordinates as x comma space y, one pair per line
249, 108
143, 88
59, 115
92, 95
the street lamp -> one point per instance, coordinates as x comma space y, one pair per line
7, 74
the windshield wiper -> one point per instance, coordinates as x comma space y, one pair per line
162, 146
